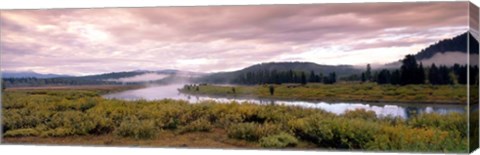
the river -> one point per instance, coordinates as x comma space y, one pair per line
381, 109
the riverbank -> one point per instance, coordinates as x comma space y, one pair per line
341, 92
74, 116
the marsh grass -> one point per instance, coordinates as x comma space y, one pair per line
366, 92
58, 116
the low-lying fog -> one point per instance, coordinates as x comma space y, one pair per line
447, 58
147, 77
450, 58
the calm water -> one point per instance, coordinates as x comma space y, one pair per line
381, 109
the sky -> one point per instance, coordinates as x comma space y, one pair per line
221, 38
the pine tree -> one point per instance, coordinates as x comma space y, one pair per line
368, 73
312, 77
433, 75
303, 78
421, 74
363, 77
384, 77
395, 77
409, 71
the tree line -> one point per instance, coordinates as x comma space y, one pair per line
279, 77
31, 81
412, 72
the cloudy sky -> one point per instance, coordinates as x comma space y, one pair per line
210, 39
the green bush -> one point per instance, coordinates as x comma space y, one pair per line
334, 132
360, 113
22, 133
314, 129
279, 141
453, 122
246, 131
58, 132
24, 118
102, 125
79, 123
201, 124
87, 105
402, 138
252, 131
137, 129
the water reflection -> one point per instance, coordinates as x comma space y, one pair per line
382, 110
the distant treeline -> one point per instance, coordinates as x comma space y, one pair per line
101, 79
410, 72
413, 73
278, 77
29, 82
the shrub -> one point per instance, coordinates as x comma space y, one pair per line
87, 105
58, 132
453, 122
79, 123
334, 132
22, 133
134, 128
201, 124
400, 138
360, 113
279, 141
102, 125
313, 129
354, 133
246, 131
252, 131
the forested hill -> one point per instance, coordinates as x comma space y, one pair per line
98, 79
455, 44
30, 74
266, 69
301, 66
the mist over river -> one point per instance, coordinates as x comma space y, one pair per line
381, 109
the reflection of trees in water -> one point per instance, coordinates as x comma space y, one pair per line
412, 111
272, 102
267, 102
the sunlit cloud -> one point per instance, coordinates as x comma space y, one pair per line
221, 38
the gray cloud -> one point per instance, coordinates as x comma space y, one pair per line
206, 39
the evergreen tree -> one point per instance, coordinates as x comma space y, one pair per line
363, 77
384, 77
421, 74
395, 77
433, 75
368, 73
330, 79
409, 71
312, 77
303, 78
444, 75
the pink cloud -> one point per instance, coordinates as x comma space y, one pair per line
233, 37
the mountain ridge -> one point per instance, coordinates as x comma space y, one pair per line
30, 74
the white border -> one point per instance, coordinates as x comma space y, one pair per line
74, 150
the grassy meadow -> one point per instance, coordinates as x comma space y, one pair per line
82, 117
357, 92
